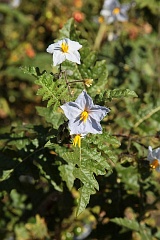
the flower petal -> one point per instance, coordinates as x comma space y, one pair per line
58, 57
73, 57
84, 100
105, 13
98, 113
125, 7
110, 19
80, 127
69, 50
153, 154
150, 156
50, 48
73, 46
111, 4
156, 153
57, 46
72, 110
122, 17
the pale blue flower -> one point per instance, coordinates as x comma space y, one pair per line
84, 117
15, 3
114, 11
154, 158
64, 49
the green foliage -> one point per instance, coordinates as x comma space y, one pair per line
152, 5
117, 93
55, 118
144, 231
50, 189
86, 164
36, 228
129, 176
51, 90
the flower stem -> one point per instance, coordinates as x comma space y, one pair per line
67, 83
80, 155
75, 81
100, 36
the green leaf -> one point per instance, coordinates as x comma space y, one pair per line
21, 232
119, 93
94, 162
86, 177
106, 139
71, 157
48, 177
18, 140
102, 142
129, 176
68, 30
65, 31
49, 90
29, 70
55, 118
133, 225
6, 174
85, 194
100, 71
52, 89
124, 222
66, 173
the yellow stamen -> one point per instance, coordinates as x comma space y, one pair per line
116, 10
77, 140
84, 116
101, 19
64, 47
154, 164
88, 82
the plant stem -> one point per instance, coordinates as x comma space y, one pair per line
76, 81
146, 117
67, 83
80, 155
100, 35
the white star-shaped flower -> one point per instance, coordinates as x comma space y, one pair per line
84, 117
114, 11
154, 158
64, 49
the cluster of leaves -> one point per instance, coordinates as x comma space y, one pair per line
55, 91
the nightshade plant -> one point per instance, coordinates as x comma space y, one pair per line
47, 172
73, 166
95, 156
112, 11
